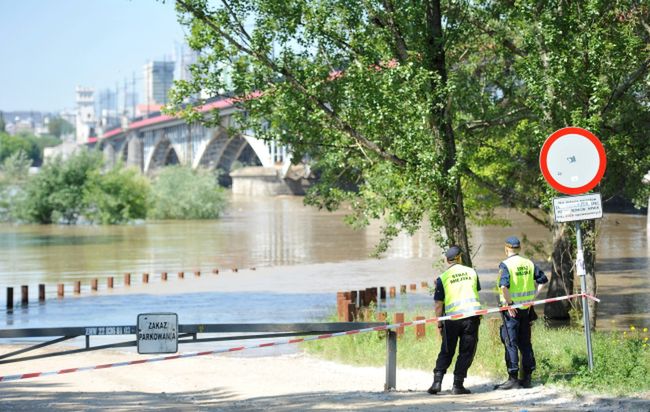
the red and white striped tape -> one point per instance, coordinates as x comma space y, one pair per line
16, 377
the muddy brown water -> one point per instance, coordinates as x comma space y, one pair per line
277, 233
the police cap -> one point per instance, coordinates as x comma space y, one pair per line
453, 252
513, 242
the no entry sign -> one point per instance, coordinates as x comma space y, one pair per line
572, 160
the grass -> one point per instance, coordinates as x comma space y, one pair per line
621, 359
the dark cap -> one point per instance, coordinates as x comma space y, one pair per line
453, 252
513, 242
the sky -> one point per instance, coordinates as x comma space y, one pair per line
49, 47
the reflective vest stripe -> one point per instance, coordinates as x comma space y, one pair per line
467, 309
460, 302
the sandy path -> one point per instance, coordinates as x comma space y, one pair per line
279, 383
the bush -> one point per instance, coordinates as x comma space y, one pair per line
182, 193
118, 196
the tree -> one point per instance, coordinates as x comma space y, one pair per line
365, 88
59, 127
117, 196
565, 64
2, 122
182, 193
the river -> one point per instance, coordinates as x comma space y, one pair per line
285, 242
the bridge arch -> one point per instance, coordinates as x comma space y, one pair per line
163, 154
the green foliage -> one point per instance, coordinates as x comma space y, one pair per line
30, 144
117, 196
65, 191
13, 174
59, 127
360, 87
57, 192
182, 193
622, 359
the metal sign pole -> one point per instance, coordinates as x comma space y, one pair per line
582, 273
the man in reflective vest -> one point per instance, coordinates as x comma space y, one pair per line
456, 292
520, 281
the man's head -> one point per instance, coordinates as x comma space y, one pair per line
512, 245
453, 255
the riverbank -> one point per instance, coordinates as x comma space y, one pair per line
279, 383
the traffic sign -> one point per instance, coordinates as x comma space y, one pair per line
572, 160
572, 208
157, 333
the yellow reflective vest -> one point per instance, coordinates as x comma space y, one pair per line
461, 291
522, 279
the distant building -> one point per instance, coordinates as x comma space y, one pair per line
158, 79
85, 119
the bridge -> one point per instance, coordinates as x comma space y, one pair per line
254, 166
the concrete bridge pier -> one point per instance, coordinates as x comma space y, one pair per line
135, 155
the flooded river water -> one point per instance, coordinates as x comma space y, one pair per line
289, 244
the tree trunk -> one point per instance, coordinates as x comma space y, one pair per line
452, 208
561, 282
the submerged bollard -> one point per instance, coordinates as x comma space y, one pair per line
414, 286
127, 279
10, 297
181, 275
77, 287
41, 292
382, 293
215, 271
352, 312
93, 285
402, 289
197, 273
163, 276
392, 291
109, 282
24, 295
145, 278
60, 289
425, 285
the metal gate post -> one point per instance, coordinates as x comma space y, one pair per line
391, 360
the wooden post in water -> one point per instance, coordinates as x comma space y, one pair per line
109, 282
215, 271
77, 287
414, 286
420, 330
60, 290
399, 318
425, 285
362, 298
339, 306
24, 295
163, 276
402, 289
41, 292
197, 273
353, 297
181, 275
392, 292
10, 297
352, 312
382, 293
93, 285
127, 279
145, 277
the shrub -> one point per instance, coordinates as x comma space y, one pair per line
118, 196
182, 193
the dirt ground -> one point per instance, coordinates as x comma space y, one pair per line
278, 383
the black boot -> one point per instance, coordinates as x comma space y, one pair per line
458, 388
511, 383
525, 382
436, 386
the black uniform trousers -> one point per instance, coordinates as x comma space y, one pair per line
464, 331
515, 335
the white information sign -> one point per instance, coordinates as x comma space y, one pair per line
572, 208
157, 333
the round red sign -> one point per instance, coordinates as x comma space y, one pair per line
572, 160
